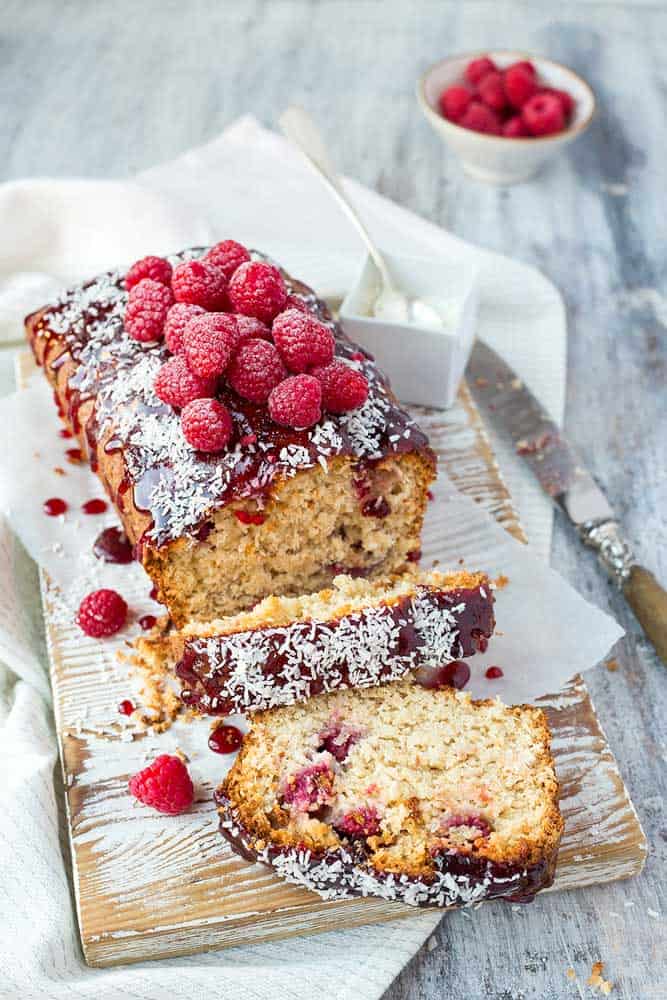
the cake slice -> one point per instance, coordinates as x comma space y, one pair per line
357, 634
417, 795
277, 510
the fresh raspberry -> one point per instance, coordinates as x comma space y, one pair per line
543, 115
514, 128
255, 370
454, 101
174, 325
525, 65
247, 327
208, 342
207, 424
302, 340
519, 83
102, 612
164, 785
343, 388
297, 302
227, 256
361, 822
478, 68
566, 100
155, 268
201, 284
480, 118
147, 307
258, 290
296, 402
492, 92
177, 386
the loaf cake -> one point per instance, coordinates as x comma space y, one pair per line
279, 510
357, 634
417, 795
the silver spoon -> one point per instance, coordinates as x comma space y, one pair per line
390, 303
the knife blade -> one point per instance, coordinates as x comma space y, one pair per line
516, 413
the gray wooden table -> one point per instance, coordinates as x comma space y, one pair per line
106, 89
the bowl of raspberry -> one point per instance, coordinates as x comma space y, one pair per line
504, 113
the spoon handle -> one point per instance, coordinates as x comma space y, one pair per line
300, 129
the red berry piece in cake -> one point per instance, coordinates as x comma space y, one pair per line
514, 128
481, 118
543, 115
478, 69
165, 785
303, 341
519, 83
454, 101
455, 674
207, 425
255, 370
296, 402
177, 386
343, 388
225, 739
247, 517
361, 822
201, 284
155, 268
460, 832
102, 613
147, 306
258, 290
492, 92
566, 100
338, 738
177, 318
208, 342
227, 255
310, 788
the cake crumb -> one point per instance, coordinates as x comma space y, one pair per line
612, 666
596, 980
501, 582
570, 973
59, 471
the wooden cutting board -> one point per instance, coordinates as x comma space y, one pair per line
151, 887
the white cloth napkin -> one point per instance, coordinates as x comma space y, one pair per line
250, 185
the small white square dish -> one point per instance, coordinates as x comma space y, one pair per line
425, 363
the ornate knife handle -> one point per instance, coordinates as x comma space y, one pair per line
640, 588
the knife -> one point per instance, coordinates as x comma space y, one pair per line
519, 417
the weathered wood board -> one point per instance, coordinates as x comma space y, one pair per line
147, 887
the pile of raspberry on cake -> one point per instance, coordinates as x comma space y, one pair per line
511, 102
229, 322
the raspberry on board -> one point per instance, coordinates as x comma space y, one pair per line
177, 385
453, 102
200, 283
147, 306
102, 613
257, 289
303, 341
155, 268
492, 92
208, 342
164, 785
343, 388
543, 115
519, 83
255, 370
480, 118
227, 255
296, 402
207, 424
177, 317
478, 68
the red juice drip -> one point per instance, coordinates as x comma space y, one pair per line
225, 739
94, 506
126, 707
64, 432
493, 673
153, 593
147, 622
54, 506
455, 674
74, 455
113, 546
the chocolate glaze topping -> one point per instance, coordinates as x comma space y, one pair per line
177, 486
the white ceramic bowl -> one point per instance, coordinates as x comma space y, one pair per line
424, 365
495, 158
